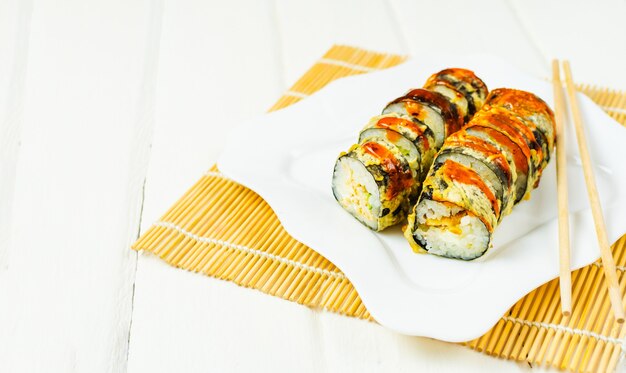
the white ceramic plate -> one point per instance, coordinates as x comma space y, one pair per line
288, 156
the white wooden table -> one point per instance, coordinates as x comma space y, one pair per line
110, 109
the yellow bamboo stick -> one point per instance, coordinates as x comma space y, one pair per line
565, 272
594, 200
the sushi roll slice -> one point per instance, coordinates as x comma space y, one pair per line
408, 149
478, 176
529, 107
518, 162
374, 183
450, 230
537, 141
536, 114
511, 154
455, 182
429, 108
452, 94
419, 134
478, 154
518, 131
456, 213
463, 81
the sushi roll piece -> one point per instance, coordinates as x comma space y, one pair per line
507, 130
447, 229
511, 154
518, 162
478, 154
535, 113
453, 95
374, 182
536, 139
419, 134
455, 215
408, 149
429, 108
529, 107
463, 81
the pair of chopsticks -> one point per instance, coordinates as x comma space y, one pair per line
610, 274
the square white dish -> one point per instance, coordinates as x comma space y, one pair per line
287, 157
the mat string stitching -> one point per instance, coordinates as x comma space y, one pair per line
220, 175
296, 94
330, 61
566, 329
339, 275
619, 268
613, 109
249, 250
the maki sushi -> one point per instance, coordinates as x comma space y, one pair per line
430, 108
463, 89
534, 112
380, 178
480, 173
374, 182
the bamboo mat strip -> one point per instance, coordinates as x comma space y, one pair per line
221, 229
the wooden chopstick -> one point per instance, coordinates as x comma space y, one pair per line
605, 248
565, 272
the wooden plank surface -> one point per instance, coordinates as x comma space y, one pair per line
68, 275
109, 110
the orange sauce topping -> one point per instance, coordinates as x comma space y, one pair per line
499, 122
522, 102
399, 179
452, 119
520, 160
415, 110
463, 75
461, 139
392, 136
459, 173
396, 123
514, 124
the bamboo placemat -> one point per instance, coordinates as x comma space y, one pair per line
224, 230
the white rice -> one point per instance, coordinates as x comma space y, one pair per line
454, 97
467, 240
356, 191
429, 116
